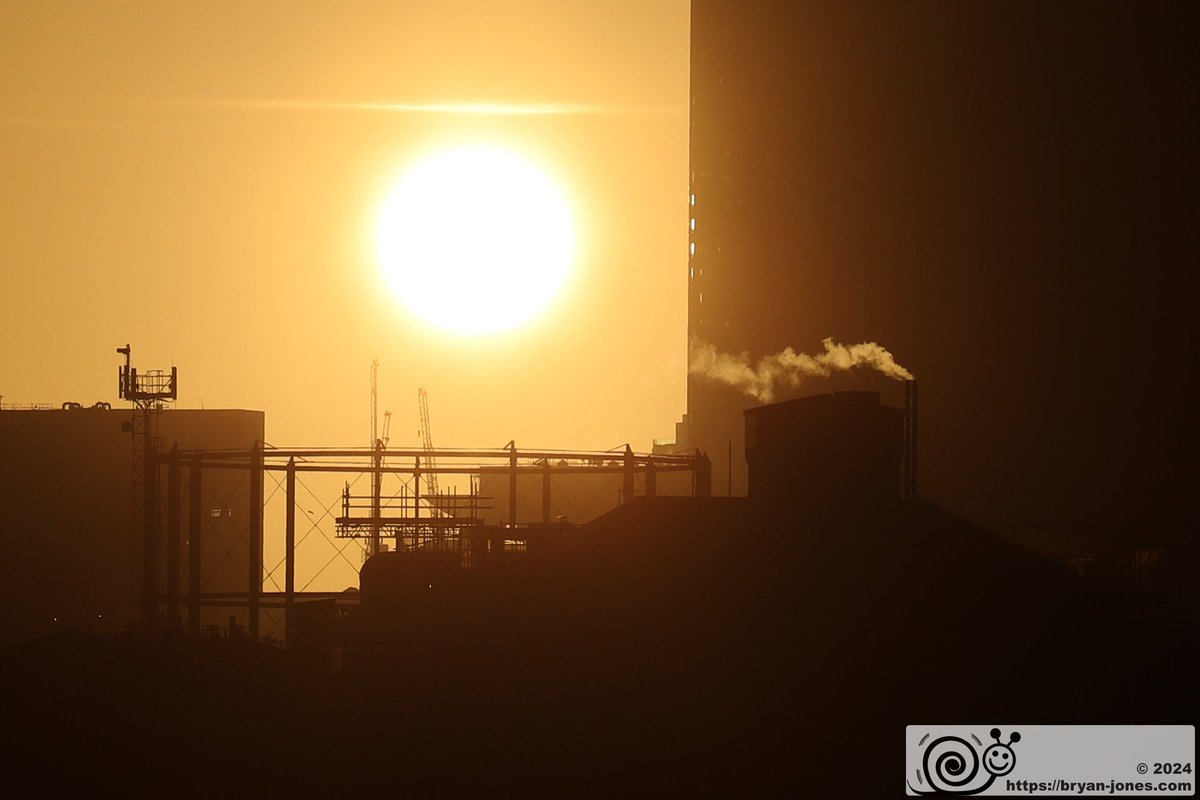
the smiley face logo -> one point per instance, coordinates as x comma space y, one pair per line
950, 765
999, 759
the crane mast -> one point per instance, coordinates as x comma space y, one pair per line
376, 463
427, 444
374, 399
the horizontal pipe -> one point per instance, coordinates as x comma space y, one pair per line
390, 469
369, 453
243, 596
245, 603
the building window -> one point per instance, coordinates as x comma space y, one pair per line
692, 224
692, 200
692, 248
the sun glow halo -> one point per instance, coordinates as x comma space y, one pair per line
475, 240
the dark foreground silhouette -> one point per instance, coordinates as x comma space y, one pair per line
676, 645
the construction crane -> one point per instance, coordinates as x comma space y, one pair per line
377, 464
427, 443
374, 400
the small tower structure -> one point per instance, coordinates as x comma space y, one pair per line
147, 392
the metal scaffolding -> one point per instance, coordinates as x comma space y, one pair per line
413, 521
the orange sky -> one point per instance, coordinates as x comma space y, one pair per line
148, 198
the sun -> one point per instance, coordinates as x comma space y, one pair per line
475, 240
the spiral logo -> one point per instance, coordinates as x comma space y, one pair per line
951, 765
954, 762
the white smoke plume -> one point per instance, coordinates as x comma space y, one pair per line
789, 368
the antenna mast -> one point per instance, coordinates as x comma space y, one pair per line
147, 392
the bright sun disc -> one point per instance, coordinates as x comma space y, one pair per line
475, 240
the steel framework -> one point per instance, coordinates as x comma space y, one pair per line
413, 521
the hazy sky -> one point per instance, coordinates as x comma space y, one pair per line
194, 179
1003, 196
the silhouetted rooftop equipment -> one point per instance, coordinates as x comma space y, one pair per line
394, 577
834, 453
71, 405
153, 386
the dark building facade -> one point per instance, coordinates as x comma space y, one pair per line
1000, 194
66, 544
741, 231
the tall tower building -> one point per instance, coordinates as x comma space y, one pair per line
796, 199
999, 194
739, 214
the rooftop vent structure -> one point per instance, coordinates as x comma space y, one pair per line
829, 454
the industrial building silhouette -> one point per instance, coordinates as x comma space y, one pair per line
66, 556
709, 643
